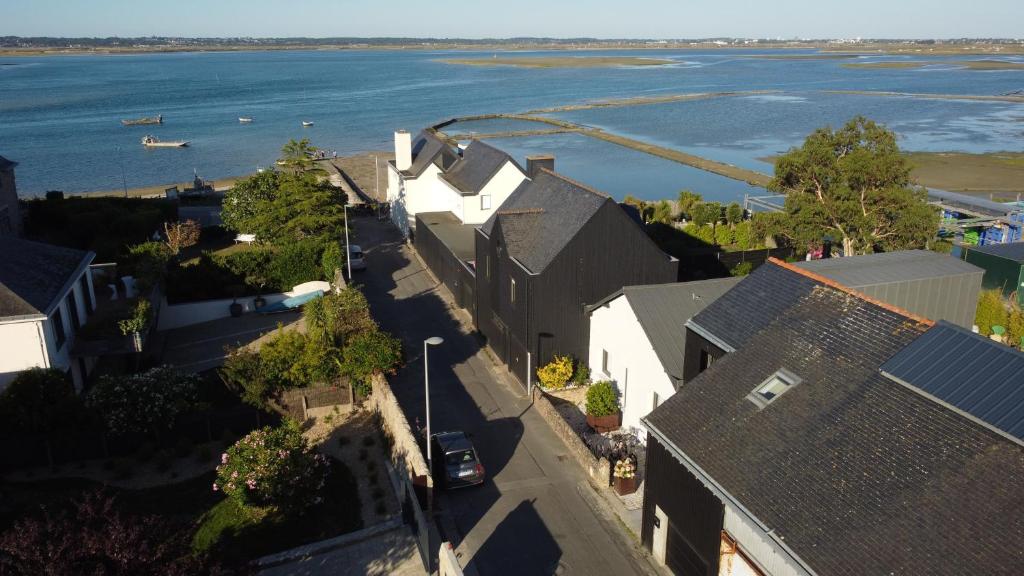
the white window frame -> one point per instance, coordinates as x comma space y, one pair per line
605, 362
781, 376
485, 201
512, 288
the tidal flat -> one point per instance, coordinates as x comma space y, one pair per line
914, 65
561, 61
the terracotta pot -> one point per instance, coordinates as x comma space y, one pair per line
624, 486
236, 309
602, 424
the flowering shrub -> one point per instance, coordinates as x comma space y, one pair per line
624, 468
145, 403
272, 467
555, 374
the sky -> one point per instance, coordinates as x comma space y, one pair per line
509, 18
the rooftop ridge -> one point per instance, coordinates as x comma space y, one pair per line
843, 288
519, 211
576, 183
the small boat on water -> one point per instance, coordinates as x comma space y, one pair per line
158, 119
244, 119
153, 142
306, 124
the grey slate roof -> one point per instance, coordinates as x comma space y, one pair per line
34, 275
542, 215
479, 163
427, 147
888, 267
854, 473
6, 164
754, 303
663, 309
967, 371
458, 237
971, 203
1012, 251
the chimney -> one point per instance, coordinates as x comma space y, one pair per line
403, 150
535, 163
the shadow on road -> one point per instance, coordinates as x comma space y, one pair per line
506, 551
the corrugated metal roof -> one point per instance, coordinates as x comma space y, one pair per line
971, 203
1012, 251
663, 309
889, 267
967, 371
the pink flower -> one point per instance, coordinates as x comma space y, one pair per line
224, 458
215, 488
234, 474
251, 484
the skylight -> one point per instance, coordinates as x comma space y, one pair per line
776, 385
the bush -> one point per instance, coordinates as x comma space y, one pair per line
723, 235
296, 263
273, 468
706, 213
146, 403
40, 401
207, 279
991, 311
555, 374
733, 214
744, 235
243, 374
139, 319
601, 399
705, 233
253, 266
741, 269
581, 374
369, 353
1015, 328
333, 258
147, 263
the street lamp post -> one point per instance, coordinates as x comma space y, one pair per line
432, 341
348, 251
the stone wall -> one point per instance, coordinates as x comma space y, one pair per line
598, 469
405, 451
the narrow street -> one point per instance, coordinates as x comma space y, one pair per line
533, 515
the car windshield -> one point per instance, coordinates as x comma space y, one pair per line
460, 457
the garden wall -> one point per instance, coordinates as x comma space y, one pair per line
598, 469
178, 315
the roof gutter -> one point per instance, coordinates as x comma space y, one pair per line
722, 494
707, 335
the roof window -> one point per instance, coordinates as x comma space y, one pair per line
776, 385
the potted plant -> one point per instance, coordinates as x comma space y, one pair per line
133, 327
235, 307
625, 476
603, 413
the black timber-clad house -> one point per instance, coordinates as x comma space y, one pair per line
554, 247
828, 438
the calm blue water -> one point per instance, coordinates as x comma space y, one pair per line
59, 116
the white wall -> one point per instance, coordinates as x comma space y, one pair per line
178, 315
768, 556
499, 188
23, 345
633, 364
410, 196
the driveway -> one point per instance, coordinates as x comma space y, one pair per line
532, 515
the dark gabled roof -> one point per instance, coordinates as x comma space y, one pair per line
428, 147
752, 304
1012, 251
6, 164
663, 309
479, 163
854, 473
968, 372
34, 275
542, 215
888, 267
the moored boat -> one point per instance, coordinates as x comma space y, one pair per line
158, 119
153, 142
306, 124
244, 119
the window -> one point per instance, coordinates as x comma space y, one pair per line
604, 363
485, 201
655, 401
776, 385
512, 287
487, 267
76, 323
83, 282
706, 360
57, 321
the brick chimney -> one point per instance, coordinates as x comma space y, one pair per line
403, 150
535, 163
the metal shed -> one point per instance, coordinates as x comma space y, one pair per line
1003, 265
936, 286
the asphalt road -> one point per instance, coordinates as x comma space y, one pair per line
534, 514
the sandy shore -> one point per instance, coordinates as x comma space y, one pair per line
560, 62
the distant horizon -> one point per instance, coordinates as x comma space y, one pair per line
767, 39
488, 19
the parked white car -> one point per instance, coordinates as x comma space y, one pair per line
355, 255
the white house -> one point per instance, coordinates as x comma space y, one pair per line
428, 175
46, 295
638, 339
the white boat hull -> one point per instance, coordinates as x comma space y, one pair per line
165, 144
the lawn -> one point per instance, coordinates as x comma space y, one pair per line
216, 240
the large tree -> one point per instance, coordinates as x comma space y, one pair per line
240, 203
281, 207
298, 154
853, 185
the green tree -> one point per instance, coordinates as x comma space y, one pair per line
302, 209
686, 201
744, 234
723, 235
241, 203
991, 311
765, 225
705, 233
369, 353
853, 184
1015, 328
733, 214
706, 213
147, 262
662, 212
298, 154
41, 401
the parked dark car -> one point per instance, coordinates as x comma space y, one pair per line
455, 461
